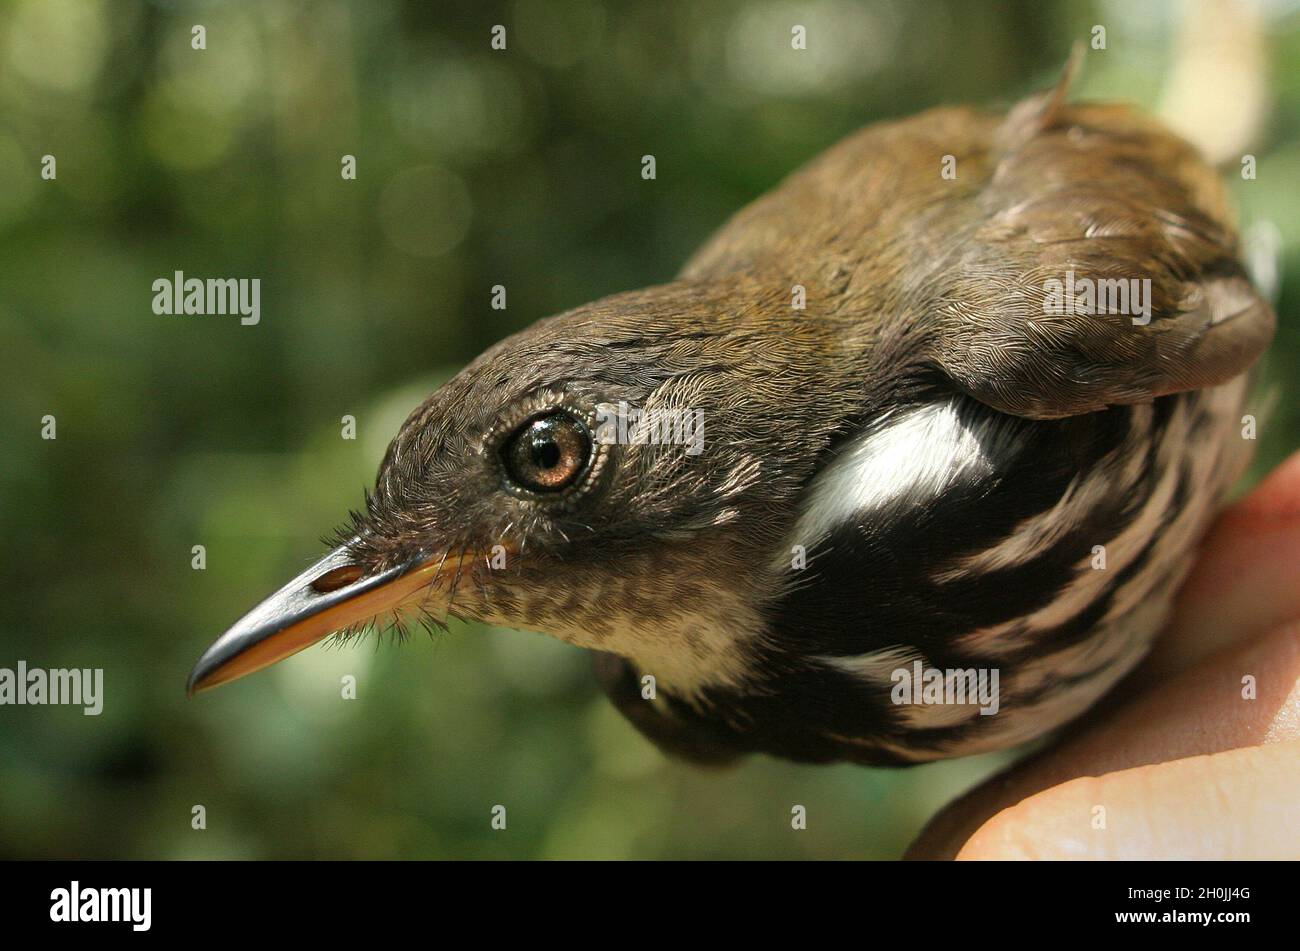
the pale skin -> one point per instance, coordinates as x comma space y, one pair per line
1177, 764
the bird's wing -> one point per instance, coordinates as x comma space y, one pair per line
1099, 269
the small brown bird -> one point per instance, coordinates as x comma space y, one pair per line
906, 464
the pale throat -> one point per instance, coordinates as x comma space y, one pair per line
685, 648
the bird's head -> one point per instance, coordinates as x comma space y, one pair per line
618, 477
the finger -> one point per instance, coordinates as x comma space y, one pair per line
1245, 580
1247, 696
1235, 805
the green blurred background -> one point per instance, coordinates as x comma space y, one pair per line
475, 168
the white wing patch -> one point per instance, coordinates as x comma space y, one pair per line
901, 462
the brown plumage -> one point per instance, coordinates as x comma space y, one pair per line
925, 310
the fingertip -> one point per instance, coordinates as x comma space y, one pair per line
1238, 804
1048, 825
1276, 496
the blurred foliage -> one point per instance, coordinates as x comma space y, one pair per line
474, 168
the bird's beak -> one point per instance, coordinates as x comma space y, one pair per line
329, 596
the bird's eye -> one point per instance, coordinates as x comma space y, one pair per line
548, 453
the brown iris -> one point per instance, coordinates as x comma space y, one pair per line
548, 453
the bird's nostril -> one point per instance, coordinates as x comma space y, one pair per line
337, 578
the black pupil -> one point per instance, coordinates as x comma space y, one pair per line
546, 451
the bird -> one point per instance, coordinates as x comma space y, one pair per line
949, 407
